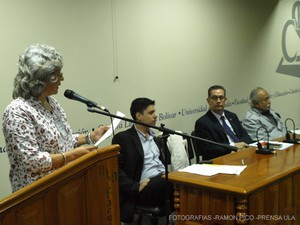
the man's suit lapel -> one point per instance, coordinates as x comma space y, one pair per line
137, 141
138, 144
215, 121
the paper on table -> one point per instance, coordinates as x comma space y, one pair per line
116, 122
212, 169
276, 145
296, 131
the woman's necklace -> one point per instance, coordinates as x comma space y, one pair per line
46, 104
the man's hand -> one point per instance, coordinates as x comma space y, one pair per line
241, 145
143, 184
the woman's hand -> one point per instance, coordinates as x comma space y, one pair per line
61, 159
99, 132
79, 151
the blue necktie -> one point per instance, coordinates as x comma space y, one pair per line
229, 131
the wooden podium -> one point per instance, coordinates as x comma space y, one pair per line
84, 192
266, 192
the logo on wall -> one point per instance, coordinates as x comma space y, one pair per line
290, 62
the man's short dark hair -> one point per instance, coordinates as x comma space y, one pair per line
139, 105
216, 87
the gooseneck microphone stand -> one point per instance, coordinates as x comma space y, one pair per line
164, 149
266, 150
288, 139
166, 132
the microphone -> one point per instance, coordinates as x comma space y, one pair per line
261, 149
74, 96
287, 135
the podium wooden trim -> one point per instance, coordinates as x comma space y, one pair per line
83, 192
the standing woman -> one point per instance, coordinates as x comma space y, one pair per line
38, 137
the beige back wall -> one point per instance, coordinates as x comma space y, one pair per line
167, 50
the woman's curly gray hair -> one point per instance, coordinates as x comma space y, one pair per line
37, 66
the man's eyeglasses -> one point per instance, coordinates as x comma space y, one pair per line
215, 97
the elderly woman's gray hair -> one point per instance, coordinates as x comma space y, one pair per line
37, 66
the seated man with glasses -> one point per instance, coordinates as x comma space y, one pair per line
220, 126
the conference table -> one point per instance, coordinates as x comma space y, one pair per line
266, 192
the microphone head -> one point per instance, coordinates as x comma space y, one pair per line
69, 94
74, 96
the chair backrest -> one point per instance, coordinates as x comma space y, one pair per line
185, 144
178, 150
197, 148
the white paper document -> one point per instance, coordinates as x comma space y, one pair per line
296, 131
115, 123
276, 145
213, 169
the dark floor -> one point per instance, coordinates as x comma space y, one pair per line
146, 221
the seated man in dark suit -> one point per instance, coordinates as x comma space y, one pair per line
220, 126
141, 162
